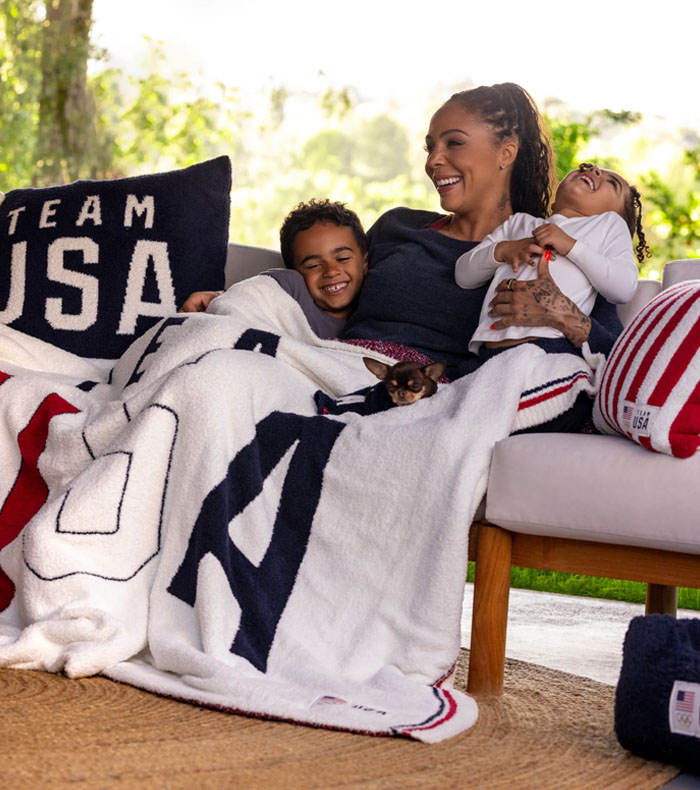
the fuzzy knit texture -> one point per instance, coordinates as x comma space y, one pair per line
657, 700
191, 525
650, 386
91, 265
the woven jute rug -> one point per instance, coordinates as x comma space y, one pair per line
549, 730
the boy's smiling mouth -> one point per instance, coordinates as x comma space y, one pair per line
334, 288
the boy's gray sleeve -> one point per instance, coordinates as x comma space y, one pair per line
323, 324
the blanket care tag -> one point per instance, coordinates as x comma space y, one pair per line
638, 418
684, 708
320, 702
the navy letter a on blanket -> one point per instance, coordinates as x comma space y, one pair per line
263, 591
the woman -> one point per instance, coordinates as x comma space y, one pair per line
488, 156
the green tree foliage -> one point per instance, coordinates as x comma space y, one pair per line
20, 86
329, 149
57, 124
570, 137
382, 149
165, 121
674, 218
337, 103
364, 162
671, 204
65, 138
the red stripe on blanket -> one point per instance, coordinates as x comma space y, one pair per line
451, 710
549, 394
29, 492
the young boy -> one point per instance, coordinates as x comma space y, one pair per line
324, 248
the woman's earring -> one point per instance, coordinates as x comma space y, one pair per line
502, 167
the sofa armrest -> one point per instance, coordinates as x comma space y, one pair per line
678, 271
646, 291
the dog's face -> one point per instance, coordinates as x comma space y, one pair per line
407, 382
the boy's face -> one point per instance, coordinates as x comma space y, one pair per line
591, 190
332, 265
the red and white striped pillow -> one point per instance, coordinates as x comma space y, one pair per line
650, 386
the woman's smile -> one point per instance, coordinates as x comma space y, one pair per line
445, 183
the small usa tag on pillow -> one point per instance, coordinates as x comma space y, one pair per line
684, 708
638, 418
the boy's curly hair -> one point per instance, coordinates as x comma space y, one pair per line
305, 215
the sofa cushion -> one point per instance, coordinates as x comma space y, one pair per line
89, 266
650, 386
590, 487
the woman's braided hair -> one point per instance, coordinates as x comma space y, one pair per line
511, 112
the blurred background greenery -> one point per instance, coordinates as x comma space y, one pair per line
65, 114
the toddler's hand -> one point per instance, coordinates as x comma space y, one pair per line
549, 235
517, 252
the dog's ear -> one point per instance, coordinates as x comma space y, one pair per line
435, 371
375, 366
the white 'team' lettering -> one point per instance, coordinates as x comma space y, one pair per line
14, 216
136, 206
91, 210
47, 211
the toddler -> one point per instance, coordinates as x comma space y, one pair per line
589, 239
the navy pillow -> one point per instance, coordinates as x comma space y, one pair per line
89, 266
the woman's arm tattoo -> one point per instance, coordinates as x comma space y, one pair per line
561, 311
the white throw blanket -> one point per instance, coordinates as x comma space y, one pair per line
191, 526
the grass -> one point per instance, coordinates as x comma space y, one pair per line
590, 586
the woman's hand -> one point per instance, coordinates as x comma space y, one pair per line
198, 301
539, 303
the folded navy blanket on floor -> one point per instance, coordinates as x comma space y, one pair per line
657, 702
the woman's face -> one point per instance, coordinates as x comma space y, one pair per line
464, 161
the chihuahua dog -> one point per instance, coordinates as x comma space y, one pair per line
407, 382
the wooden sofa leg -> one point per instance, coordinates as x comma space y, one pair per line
662, 599
490, 611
